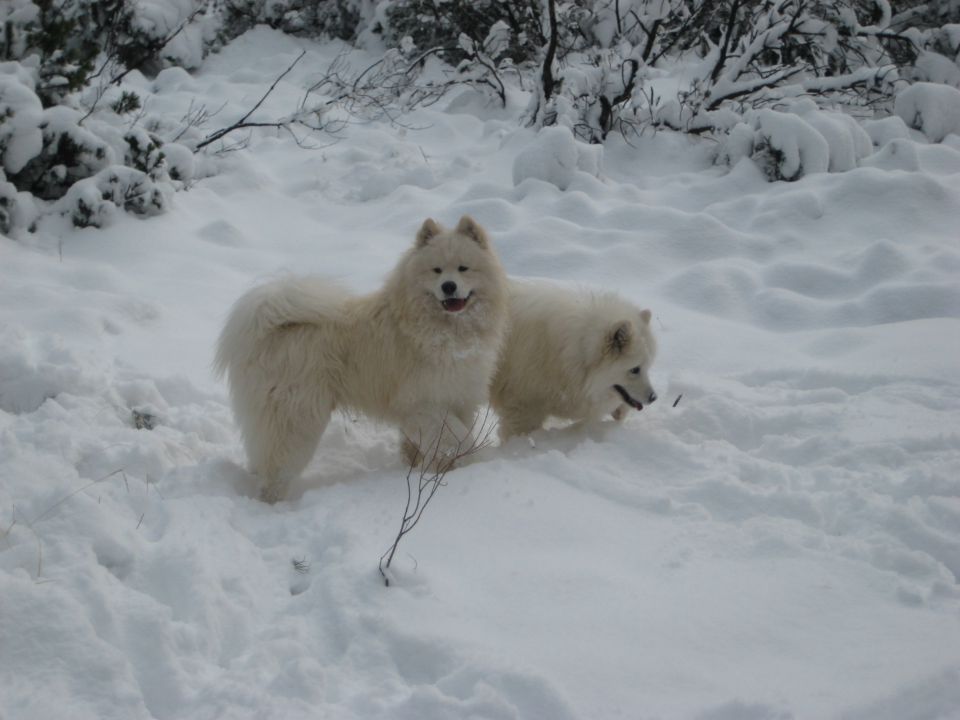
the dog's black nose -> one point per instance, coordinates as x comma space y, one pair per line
653, 396
449, 287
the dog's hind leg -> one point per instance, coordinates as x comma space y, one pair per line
520, 421
284, 440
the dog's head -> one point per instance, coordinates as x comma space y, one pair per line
457, 267
628, 350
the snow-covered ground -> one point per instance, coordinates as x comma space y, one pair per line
784, 542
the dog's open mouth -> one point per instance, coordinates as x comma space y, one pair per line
455, 305
628, 398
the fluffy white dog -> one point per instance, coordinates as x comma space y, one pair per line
571, 354
418, 353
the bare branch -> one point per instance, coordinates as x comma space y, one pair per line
424, 481
243, 122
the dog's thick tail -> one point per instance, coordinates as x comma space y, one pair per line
261, 311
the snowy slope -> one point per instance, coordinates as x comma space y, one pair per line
784, 543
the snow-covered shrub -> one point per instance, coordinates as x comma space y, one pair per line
94, 202
180, 162
737, 144
596, 93
69, 153
343, 19
49, 155
61, 107
72, 40
20, 114
787, 147
930, 108
58, 36
484, 62
430, 24
848, 142
8, 201
144, 153
600, 56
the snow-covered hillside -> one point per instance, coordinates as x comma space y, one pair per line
783, 542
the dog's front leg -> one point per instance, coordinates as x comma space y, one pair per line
434, 439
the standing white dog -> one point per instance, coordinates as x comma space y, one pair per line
418, 353
571, 354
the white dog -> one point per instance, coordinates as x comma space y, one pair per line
418, 353
571, 354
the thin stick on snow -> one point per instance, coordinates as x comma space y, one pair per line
423, 483
243, 122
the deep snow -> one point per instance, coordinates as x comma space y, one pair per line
784, 543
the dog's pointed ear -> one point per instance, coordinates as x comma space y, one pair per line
645, 316
429, 229
619, 338
471, 228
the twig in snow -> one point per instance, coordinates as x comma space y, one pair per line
423, 482
244, 121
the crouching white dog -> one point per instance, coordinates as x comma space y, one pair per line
571, 354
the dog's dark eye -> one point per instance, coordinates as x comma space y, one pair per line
635, 371
437, 270
462, 268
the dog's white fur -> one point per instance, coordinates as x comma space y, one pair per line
297, 348
565, 352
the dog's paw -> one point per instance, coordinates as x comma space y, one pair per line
272, 492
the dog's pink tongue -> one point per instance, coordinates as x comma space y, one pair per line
454, 304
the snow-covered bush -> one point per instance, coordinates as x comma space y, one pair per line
930, 108
60, 105
778, 81
848, 142
144, 152
788, 147
71, 40
179, 160
69, 153
421, 25
94, 202
8, 201
20, 114
343, 19
601, 56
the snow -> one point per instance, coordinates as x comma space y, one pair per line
936, 68
933, 109
849, 143
885, 130
782, 542
555, 156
